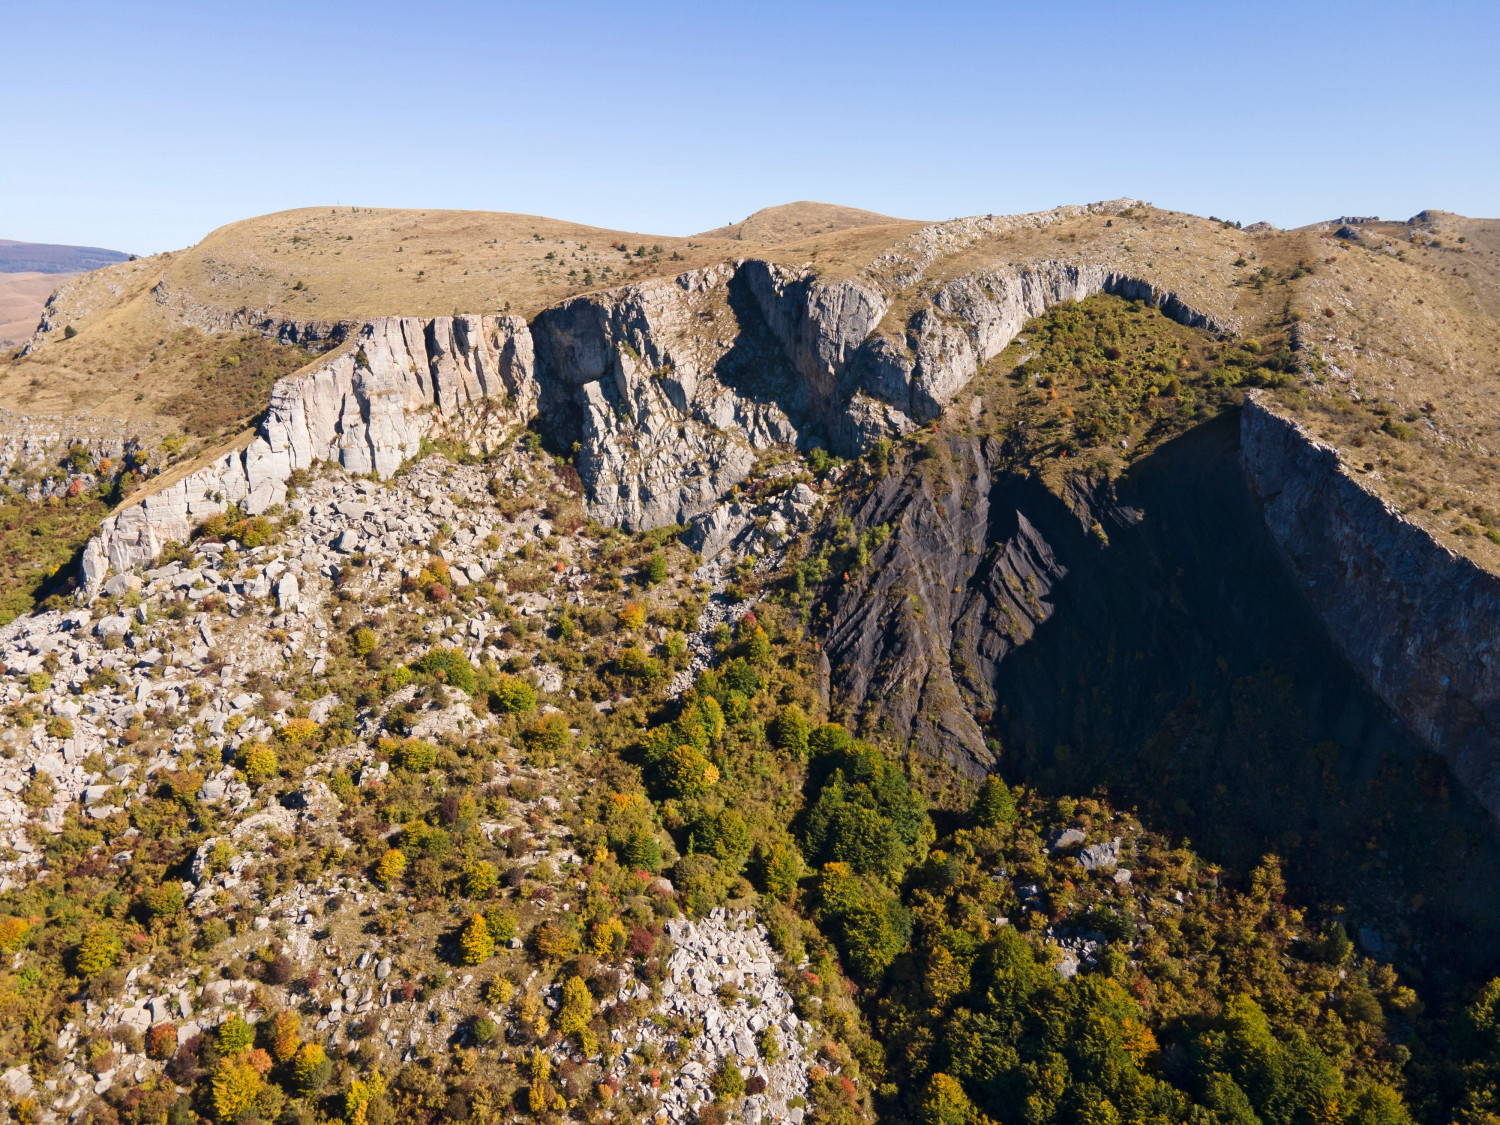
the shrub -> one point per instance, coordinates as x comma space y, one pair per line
555, 941
607, 938
59, 727
728, 1082
688, 773
311, 1068
235, 1036
511, 695
164, 900
476, 942
412, 754
479, 879
632, 615
258, 761
449, 666
388, 872
365, 641
549, 733
98, 951
299, 731
38, 682
635, 664
502, 924
161, 1041
13, 933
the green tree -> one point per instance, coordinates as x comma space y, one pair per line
98, 951
723, 835
235, 1035
311, 1068
944, 1102
479, 878
865, 814
777, 868
789, 732
868, 921
994, 805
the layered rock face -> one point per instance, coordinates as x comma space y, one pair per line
671, 390
1419, 623
917, 638
367, 408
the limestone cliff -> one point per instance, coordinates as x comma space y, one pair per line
367, 407
669, 389
1418, 622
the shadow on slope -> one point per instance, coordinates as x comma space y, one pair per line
1180, 669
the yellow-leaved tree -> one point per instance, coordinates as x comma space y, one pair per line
476, 941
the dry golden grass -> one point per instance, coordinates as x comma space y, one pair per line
22, 296
773, 226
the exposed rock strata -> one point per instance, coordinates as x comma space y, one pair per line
366, 407
1419, 622
671, 389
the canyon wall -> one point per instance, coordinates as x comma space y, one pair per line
1418, 622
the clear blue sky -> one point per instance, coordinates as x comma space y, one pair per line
142, 127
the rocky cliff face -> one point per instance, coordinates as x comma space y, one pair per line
366, 407
671, 390
1418, 622
916, 639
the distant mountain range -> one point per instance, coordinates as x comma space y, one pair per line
43, 257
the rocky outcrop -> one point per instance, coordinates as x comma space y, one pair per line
896, 382
671, 389
962, 578
1419, 623
367, 407
213, 319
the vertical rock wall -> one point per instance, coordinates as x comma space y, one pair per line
1419, 623
672, 389
367, 407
